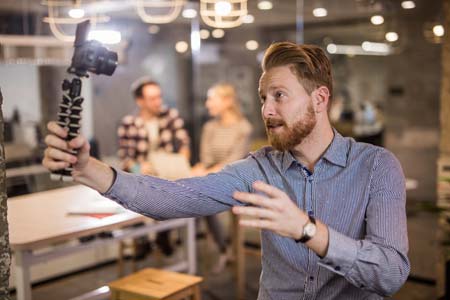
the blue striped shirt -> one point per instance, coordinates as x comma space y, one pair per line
357, 189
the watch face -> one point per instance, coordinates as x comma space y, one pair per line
310, 229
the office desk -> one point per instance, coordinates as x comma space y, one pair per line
40, 220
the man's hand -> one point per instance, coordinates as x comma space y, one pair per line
56, 155
275, 211
278, 213
86, 170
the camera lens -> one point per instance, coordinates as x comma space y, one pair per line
106, 62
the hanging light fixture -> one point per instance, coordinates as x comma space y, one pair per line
159, 11
64, 15
223, 13
434, 31
265, 5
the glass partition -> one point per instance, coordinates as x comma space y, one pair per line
385, 56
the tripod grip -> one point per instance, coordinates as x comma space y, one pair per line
69, 117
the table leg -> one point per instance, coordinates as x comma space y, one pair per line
238, 249
23, 280
191, 255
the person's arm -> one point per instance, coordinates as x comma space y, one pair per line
147, 195
379, 262
191, 197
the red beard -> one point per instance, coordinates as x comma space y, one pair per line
290, 136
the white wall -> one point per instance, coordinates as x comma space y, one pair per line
20, 89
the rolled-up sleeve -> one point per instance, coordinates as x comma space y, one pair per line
379, 262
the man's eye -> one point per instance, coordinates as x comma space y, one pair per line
262, 100
279, 94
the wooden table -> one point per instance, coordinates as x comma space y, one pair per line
40, 220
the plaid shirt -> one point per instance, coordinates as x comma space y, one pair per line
134, 143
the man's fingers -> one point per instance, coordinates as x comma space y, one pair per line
254, 212
256, 223
55, 142
54, 128
254, 199
58, 155
53, 165
78, 142
270, 190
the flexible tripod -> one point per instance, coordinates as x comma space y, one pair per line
88, 56
69, 117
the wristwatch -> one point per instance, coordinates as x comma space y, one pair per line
309, 230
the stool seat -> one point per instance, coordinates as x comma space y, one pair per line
156, 284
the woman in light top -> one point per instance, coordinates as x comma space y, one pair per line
225, 138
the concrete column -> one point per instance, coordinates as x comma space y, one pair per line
5, 254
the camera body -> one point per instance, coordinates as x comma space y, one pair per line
91, 55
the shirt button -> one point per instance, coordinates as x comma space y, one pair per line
362, 286
337, 268
311, 278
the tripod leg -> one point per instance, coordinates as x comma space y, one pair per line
69, 117
63, 121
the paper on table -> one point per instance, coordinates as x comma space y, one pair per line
96, 206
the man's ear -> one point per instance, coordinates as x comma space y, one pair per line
320, 97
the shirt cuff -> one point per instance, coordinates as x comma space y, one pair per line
124, 187
341, 255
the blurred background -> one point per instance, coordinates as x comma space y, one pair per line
387, 58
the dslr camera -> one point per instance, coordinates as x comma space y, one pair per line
91, 55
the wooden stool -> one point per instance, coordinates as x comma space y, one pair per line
122, 248
156, 284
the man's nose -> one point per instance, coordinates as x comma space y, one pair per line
268, 110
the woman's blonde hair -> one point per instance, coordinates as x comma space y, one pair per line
227, 90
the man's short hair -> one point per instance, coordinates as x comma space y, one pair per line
138, 86
308, 62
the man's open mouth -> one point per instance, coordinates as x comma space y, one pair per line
274, 124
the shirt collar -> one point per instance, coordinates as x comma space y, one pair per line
335, 154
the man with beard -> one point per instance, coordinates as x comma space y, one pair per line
331, 210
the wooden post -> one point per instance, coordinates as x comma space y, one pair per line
5, 252
443, 166
445, 85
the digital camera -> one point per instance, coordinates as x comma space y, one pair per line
91, 55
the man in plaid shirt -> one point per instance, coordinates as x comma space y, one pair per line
153, 128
